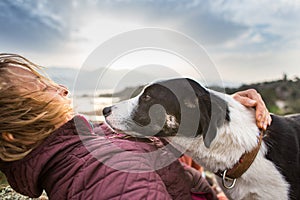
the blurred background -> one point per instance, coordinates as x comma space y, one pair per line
252, 44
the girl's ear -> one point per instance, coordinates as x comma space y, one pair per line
8, 137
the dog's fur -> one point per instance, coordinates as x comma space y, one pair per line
215, 130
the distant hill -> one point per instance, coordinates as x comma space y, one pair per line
61, 75
281, 96
103, 79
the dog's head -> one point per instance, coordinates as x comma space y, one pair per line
174, 107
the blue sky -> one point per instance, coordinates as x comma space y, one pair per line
248, 41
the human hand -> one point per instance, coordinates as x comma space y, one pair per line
251, 98
222, 196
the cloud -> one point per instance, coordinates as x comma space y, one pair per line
51, 24
235, 33
31, 25
273, 23
195, 18
265, 24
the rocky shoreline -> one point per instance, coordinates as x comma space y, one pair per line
7, 193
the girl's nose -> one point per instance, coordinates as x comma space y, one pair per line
63, 91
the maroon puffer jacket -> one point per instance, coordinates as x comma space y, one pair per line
78, 162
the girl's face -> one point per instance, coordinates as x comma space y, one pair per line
27, 81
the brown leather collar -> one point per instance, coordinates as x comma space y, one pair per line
244, 162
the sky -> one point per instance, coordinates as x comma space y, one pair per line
247, 41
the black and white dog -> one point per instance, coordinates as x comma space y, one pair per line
218, 133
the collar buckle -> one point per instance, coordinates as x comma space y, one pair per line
245, 161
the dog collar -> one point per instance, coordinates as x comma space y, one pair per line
245, 161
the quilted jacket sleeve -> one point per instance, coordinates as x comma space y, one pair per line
117, 169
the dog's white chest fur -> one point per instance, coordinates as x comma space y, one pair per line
262, 180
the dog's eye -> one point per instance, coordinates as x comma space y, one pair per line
145, 97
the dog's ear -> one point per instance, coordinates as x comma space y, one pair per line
213, 114
191, 102
209, 136
199, 104
210, 130
206, 128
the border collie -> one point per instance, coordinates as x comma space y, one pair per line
220, 134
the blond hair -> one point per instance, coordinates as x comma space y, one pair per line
30, 116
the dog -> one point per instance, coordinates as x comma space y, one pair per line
220, 134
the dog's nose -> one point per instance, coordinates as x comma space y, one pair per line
106, 111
